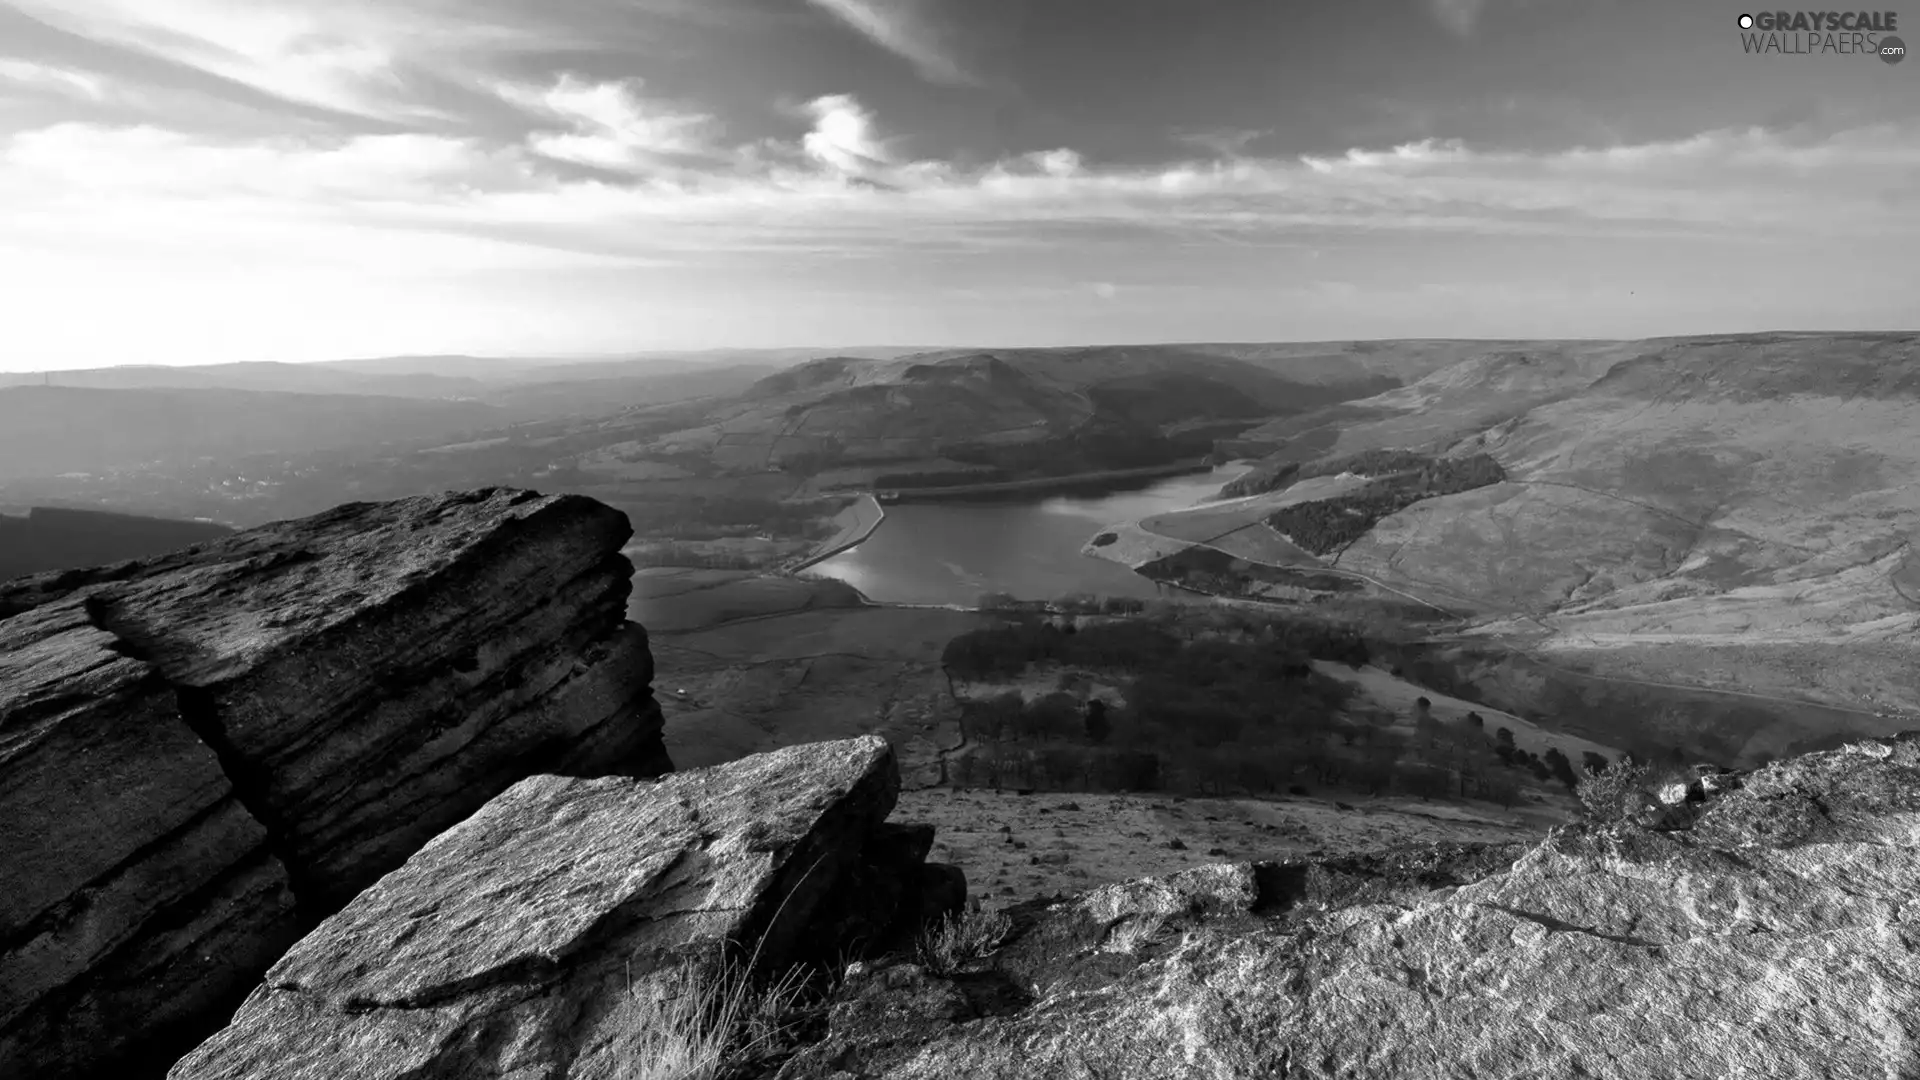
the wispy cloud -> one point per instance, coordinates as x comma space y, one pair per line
901, 27
339, 62
359, 58
46, 78
838, 188
1458, 16
610, 124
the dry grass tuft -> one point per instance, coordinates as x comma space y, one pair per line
970, 935
707, 1017
1131, 933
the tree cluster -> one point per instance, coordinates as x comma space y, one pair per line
1216, 573
1328, 525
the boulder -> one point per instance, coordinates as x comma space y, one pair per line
1777, 936
520, 942
205, 752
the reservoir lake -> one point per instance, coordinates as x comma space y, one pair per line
952, 552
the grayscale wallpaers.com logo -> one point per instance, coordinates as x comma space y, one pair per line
1854, 33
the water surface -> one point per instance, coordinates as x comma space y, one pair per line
951, 552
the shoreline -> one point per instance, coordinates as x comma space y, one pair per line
1044, 483
843, 541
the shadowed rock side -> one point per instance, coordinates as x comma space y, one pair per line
518, 942
138, 892
203, 753
1775, 938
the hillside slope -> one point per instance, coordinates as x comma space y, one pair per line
1732, 512
1076, 409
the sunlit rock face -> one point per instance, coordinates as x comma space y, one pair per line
522, 941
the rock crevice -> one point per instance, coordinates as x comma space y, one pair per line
200, 715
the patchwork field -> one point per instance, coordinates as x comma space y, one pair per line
1396, 696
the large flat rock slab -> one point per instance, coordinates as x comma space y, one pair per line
514, 943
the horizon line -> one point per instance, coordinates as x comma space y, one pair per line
828, 351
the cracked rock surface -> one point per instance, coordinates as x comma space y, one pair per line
203, 753
1779, 937
515, 943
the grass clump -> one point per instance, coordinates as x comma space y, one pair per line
1131, 933
708, 1017
1614, 795
969, 935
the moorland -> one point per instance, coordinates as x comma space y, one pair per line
1679, 550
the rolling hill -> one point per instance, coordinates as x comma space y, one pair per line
1013, 412
602, 395
263, 376
1732, 513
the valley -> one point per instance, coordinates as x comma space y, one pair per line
1690, 549
746, 663
1112, 627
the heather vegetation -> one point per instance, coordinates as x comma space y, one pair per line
1325, 526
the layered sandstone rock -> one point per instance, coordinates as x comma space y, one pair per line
520, 942
205, 752
139, 893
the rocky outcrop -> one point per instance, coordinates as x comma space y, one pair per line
203, 753
1774, 933
139, 892
519, 942
1777, 936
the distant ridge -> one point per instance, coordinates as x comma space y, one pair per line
49, 430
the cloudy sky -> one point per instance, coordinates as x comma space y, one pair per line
206, 180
